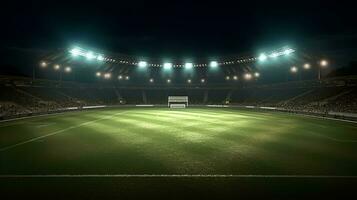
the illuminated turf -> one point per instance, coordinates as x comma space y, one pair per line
186, 141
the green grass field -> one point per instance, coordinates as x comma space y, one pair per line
159, 141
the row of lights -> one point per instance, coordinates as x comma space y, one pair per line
89, 55
56, 67
285, 52
307, 66
168, 65
247, 76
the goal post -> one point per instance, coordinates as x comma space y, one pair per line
177, 101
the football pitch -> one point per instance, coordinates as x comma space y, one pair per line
224, 149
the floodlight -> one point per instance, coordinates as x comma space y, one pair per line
213, 64
120, 77
151, 80
89, 55
98, 74
262, 57
235, 77
107, 75
248, 76
75, 52
167, 65
168, 80
68, 69
274, 55
307, 66
43, 64
189, 81
288, 51
127, 77
100, 58
257, 74
323, 63
203, 80
142, 64
188, 65
293, 69
56, 67
227, 77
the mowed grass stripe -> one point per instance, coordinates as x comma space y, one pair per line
162, 141
56, 132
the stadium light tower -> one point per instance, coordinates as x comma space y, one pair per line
213, 64
323, 64
142, 64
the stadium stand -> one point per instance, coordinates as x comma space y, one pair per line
22, 96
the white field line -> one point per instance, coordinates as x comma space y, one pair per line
173, 176
28, 117
59, 131
328, 118
336, 140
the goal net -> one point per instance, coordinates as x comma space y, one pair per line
177, 101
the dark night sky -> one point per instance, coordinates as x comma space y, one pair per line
176, 30
170, 28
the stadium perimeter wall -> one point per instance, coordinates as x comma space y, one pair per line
328, 115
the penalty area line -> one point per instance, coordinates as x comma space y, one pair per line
173, 176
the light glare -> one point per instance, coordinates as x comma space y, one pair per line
142, 64
213, 64
68, 69
262, 57
293, 69
188, 65
100, 58
167, 65
323, 63
90, 56
248, 76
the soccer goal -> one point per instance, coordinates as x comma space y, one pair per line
177, 101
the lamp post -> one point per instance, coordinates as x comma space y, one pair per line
322, 64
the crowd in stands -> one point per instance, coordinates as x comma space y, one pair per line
19, 99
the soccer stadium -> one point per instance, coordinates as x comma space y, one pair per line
89, 122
